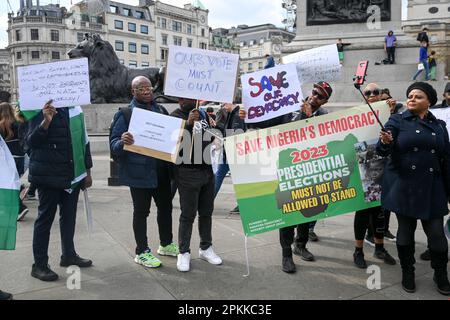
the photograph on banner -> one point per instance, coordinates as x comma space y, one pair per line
64, 82
271, 93
318, 64
155, 135
305, 170
201, 74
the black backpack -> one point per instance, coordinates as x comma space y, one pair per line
127, 111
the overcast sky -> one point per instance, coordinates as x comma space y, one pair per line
222, 13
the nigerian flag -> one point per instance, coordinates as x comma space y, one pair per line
9, 198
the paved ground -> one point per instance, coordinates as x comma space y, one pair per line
115, 275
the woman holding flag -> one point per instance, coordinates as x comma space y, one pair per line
60, 163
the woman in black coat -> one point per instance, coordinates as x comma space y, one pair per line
416, 178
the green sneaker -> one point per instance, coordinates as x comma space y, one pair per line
147, 259
170, 250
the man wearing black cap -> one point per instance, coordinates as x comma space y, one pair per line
312, 107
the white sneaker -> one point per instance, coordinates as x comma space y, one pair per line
183, 262
210, 256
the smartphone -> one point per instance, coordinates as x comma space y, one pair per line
361, 73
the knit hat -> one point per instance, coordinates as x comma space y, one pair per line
427, 89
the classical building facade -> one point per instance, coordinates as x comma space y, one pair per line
5, 84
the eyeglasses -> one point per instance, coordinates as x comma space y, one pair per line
318, 94
375, 92
144, 89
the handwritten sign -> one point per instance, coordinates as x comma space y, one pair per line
318, 64
201, 74
271, 93
155, 135
64, 82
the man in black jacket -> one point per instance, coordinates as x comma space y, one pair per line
52, 170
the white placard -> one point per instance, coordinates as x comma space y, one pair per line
64, 82
155, 131
318, 64
201, 74
271, 93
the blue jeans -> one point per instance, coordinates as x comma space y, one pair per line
427, 70
222, 171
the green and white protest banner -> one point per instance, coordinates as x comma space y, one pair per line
80, 139
307, 170
9, 198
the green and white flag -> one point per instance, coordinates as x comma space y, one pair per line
9, 198
79, 141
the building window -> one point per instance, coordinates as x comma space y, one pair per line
249, 54
164, 39
119, 45
163, 24
34, 34
118, 24
114, 9
18, 35
177, 41
131, 27
126, 12
163, 54
80, 36
139, 15
177, 26
145, 64
203, 32
145, 49
189, 41
189, 29
34, 54
54, 35
55, 55
19, 55
133, 64
132, 47
260, 65
144, 29
203, 46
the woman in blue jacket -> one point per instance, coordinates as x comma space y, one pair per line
416, 181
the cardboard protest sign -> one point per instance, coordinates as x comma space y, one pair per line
64, 82
155, 135
201, 74
306, 170
271, 93
318, 64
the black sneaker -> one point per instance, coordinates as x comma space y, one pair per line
303, 253
385, 256
5, 295
408, 281
288, 265
425, 256
442, 284
389, 236
358, 259
369, 240
313, 236
43, 273
22, 212
235, 210
75, 261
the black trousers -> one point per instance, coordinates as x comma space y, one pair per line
287, 237
49, 200
387, 219
434, 229
391, 54
196, 190
142, 199
362, 220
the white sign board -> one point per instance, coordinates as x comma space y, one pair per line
271, 93
443, 114
64, 82
201, 74
155, 134
318, 64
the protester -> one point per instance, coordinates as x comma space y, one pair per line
146, 177
233, 124
195, 179
416, 181
390, 42
432, 64
210, 112
340, 46
60, 163
12, 132
423, 60
270, 62
362, 217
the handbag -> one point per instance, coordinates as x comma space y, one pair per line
420, 66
